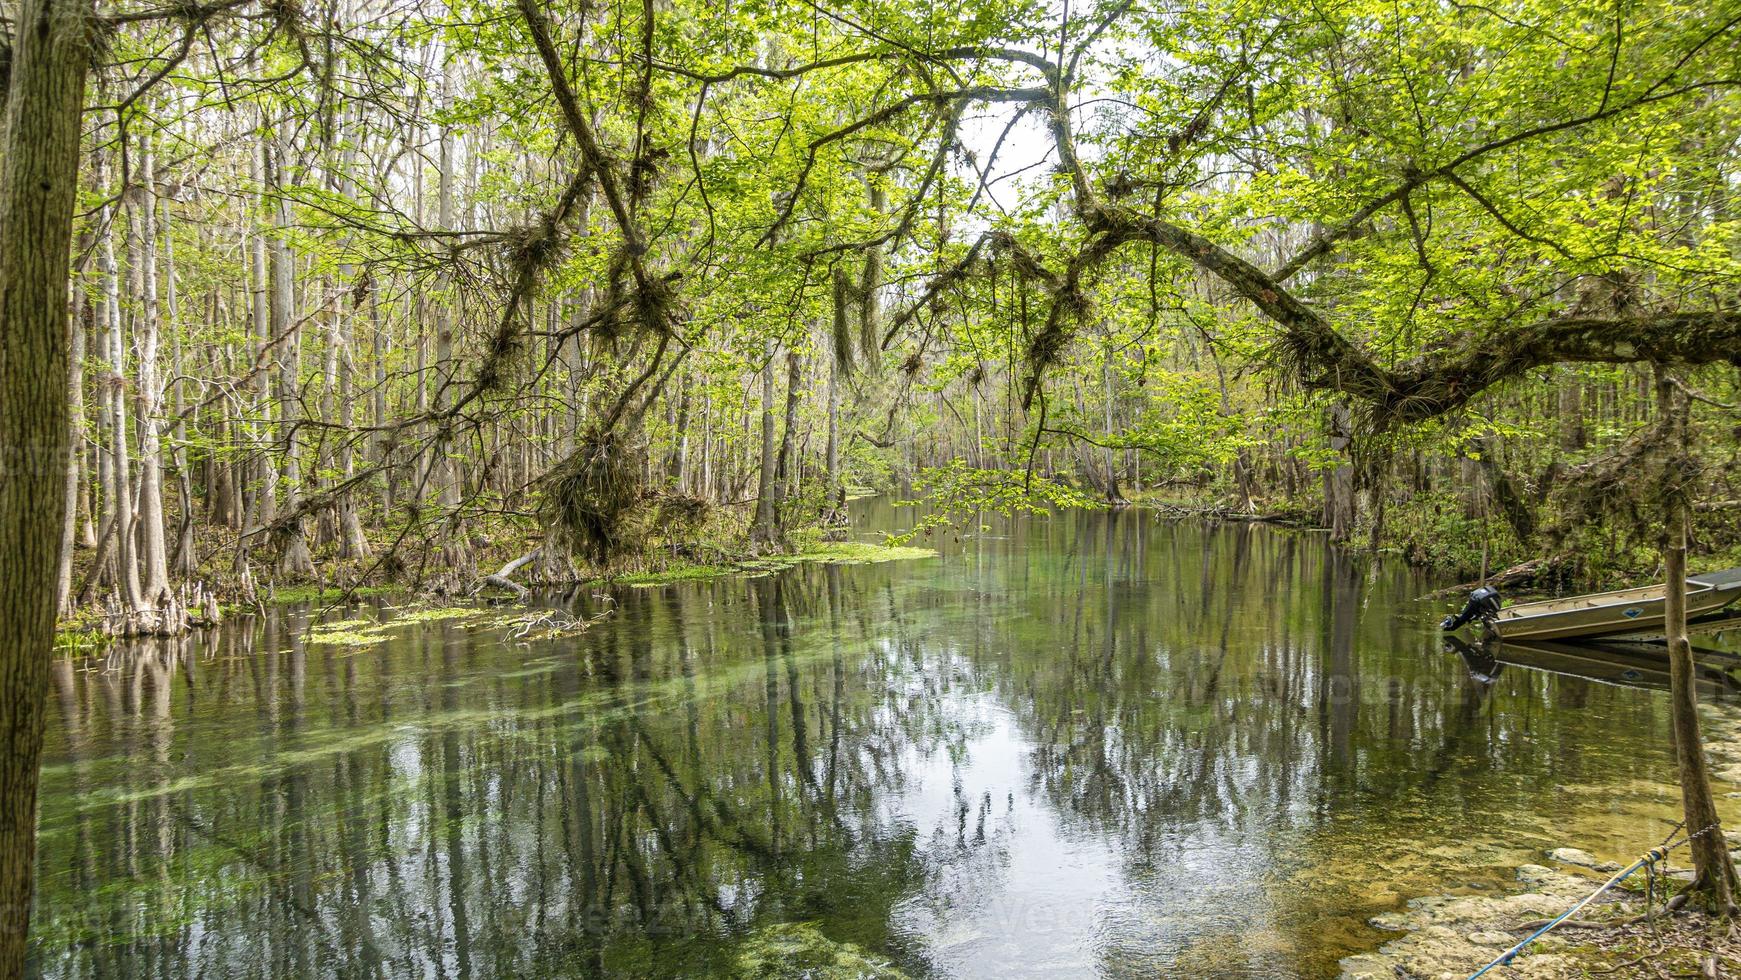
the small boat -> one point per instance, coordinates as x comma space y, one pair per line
1636, 612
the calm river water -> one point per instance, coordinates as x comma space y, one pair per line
1095, 744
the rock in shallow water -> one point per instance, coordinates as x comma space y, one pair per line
1583, 859
1451, 936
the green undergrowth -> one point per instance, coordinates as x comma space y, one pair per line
315, 592
81, 635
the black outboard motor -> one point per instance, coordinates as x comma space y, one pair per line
1483, 604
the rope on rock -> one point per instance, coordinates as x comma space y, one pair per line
1650, 858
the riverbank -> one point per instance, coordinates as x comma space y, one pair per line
88, 630
1454, 934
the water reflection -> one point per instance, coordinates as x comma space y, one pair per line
1091, 744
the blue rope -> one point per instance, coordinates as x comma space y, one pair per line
1655, 854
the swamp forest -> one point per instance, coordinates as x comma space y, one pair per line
868, 488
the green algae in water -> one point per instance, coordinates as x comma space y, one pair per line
1088, 745
437, 614
800, 951
350, 633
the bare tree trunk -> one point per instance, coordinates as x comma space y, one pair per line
352, 542
445, 469
39, 168
1113, 495
184, 560
840, 347
764, 532
1339, 500
786, 469
281, 304
1571, 410
706, 490
75, 395
120, 489
153, 553
260, 493
383, 439
1714, 874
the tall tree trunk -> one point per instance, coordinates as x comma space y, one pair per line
1339, 501
119, 492
445, 469
184, 560
260, 492
352, 542
1113, 496
153, 553
384, 440
764, 532
75, 395
281, 306
1571, 410
840, 347
1714, 874
39, 172
786, 469
870, 311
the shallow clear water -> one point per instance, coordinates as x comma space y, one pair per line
1090, 744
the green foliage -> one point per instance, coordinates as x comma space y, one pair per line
1435, 530
957, 494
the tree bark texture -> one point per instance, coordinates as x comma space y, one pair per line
39, 150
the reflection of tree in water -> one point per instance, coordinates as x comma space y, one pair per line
1273, 704
718, 757
659, 787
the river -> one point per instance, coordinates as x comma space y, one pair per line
1089, 744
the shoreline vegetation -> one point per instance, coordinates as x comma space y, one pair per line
658, 563
88, 632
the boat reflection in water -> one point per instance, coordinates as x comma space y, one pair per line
1622, 662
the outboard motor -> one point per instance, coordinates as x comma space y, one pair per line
1483, 604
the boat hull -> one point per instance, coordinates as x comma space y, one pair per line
1629, 612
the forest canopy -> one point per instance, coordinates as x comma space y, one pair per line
383, 290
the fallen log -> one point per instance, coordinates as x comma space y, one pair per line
502, 578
